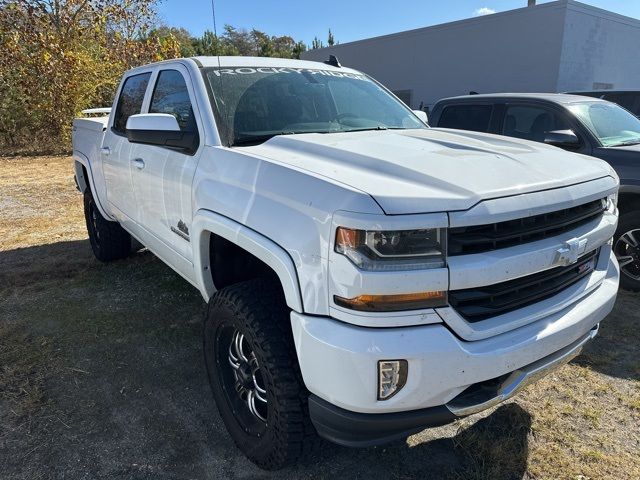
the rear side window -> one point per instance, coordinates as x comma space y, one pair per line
466, 117
171, 96
130, 101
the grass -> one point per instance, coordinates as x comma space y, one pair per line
101, 374
25, 359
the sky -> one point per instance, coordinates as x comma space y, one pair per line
348, 19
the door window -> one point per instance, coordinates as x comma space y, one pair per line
466, 117
531, 122
130, 100
171, 96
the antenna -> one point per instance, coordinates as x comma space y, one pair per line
215, 28
215, 33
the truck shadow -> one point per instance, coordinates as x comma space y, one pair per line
29, 265
494, 447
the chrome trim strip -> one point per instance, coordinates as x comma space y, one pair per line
524, 376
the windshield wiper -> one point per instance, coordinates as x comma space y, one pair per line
627, 143
256, 139
367, 129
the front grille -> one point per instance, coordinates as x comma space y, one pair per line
484, 238
475, 304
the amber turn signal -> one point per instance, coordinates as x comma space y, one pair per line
393, 303
347, 238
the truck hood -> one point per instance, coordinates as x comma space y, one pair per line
432, 170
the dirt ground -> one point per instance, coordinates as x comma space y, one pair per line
102, 375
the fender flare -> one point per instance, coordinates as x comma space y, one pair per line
79, 158
206, 222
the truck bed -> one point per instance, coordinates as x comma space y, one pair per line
87, 136
97, 123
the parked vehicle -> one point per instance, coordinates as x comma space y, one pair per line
367, 276
577, 124
629, 99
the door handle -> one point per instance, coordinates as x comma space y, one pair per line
139, 163
105, 151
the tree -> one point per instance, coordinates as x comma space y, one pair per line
298, 48
238, 42
208, 44
331, 41
180, 35
316, 44
242, 42
60, 56
263, 44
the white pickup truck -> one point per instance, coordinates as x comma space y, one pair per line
367, 276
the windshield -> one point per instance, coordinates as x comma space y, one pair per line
253, 104
613, 125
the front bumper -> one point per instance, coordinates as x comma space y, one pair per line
353, 429
338, 363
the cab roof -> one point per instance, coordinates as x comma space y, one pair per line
239, 62
560, 98
266, 62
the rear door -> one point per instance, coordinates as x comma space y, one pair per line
163, 176
117, 152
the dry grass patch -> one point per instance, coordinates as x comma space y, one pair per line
581, 426
39, 203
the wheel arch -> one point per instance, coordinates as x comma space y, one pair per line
85, 181
628, 198
81, 176
208, 224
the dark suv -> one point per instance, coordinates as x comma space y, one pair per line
576, 123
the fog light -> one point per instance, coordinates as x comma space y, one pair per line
392, 376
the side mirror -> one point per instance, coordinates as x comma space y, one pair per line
422, 115
562, 139
160, 129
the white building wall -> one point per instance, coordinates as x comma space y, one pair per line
514, 51
600, 50
552, 47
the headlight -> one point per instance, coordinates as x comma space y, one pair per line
385, 250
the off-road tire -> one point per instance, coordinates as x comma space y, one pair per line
627, 222
257, 309
109, 241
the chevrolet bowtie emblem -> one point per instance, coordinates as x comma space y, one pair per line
571, 251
